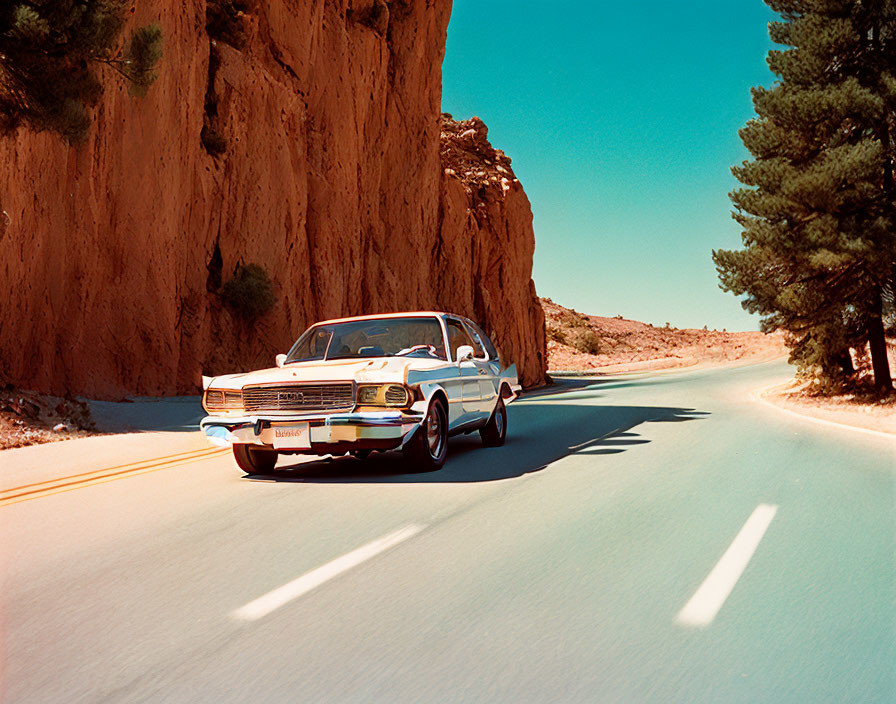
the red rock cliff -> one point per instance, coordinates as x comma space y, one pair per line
331, 178
486, 243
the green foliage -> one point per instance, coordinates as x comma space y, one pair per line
49, 58
249, 292
818, 207
224, 20
143, 53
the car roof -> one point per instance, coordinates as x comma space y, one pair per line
379, 316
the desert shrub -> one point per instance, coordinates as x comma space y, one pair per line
213, 141
555, 332
572, 328
584, 339
572, 318
249, 292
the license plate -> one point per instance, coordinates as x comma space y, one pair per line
296, 436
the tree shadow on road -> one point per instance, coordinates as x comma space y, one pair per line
538, 435
567, 385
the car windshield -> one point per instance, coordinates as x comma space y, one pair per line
383, 337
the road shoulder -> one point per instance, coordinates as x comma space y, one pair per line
877, 419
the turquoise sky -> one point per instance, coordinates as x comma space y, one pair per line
621, 119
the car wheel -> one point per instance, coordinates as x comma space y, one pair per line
427, 449
254, 460
495, 432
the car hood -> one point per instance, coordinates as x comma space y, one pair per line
378, 370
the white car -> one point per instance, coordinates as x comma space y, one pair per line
375, 382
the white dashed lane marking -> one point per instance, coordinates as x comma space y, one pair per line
710, 597
273, 600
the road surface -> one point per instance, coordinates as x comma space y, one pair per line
647, 539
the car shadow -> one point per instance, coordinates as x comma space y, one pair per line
565, 385
537, 436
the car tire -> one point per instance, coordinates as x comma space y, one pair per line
254, 460
494, 433
428, 447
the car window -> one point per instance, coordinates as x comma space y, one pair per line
377, 337
478, 348
311, 346
457, 336
485, 340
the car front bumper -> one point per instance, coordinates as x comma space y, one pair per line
327, 433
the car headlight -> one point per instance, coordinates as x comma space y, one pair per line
390, 395
223, 400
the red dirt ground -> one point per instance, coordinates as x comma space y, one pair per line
27, 419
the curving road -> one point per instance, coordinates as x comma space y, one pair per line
641, 539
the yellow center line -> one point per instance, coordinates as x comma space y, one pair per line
172, 458
27, 492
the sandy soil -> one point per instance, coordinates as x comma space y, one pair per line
850, 409
579, 342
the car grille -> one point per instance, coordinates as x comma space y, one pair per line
299, 397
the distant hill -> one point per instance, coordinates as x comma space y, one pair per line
579, 342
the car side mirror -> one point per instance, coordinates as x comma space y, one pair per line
280, 359
464, 353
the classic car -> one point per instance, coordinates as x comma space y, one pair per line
370, 383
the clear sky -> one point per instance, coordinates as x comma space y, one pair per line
621, 119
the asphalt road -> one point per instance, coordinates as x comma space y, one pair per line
649, 539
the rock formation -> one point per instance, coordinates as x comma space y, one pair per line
306, 140
486, 245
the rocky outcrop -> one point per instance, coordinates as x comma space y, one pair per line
307, 142
486, 244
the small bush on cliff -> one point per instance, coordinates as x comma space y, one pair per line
49, 54
224, 20
250, 292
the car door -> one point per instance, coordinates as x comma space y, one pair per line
468, 372
486, 370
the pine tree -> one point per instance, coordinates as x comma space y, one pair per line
819, 207
50, 52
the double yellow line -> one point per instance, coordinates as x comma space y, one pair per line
37, 490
